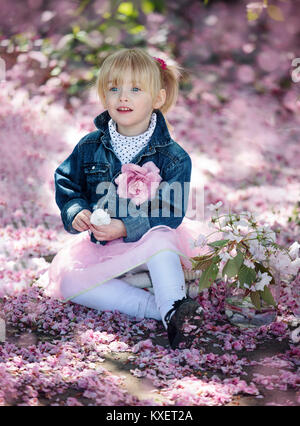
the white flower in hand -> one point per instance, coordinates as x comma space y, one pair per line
100, 217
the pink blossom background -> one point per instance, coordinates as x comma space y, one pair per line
238, 116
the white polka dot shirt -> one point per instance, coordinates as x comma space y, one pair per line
127, 147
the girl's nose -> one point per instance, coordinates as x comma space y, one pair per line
123, 94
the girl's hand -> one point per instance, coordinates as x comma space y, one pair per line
116, 229
82, 221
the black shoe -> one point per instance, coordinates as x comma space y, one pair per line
185, 309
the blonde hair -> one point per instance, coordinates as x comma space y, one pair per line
146, 70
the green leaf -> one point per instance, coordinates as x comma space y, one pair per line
260, 267
127, 8
82, 6
275, 13
255, 299
202, 262
76, 29
147, 6
203, 257
230, 269
219, 243
137, 29
267, 296
82, 36
252, 16
55, 71
232, 266
208, 276
202, 265
254, 10
246, 275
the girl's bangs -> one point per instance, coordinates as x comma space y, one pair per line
119, 67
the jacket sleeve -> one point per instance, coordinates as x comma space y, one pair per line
169, 204
69, 189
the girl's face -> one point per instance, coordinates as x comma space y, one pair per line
139, 103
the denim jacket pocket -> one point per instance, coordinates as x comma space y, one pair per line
96, 173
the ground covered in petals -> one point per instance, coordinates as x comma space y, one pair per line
65, 354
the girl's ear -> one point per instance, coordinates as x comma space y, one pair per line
160, 100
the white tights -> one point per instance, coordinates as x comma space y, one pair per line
168, 284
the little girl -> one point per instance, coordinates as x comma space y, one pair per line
133, 167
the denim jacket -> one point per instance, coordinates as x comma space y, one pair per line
93, 164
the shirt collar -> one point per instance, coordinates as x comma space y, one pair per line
160, 136
140, 140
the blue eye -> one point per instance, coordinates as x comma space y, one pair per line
112, 89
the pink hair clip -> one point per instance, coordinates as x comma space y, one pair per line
162, 63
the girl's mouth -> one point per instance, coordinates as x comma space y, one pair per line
123, 111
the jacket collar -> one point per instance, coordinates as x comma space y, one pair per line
160, 136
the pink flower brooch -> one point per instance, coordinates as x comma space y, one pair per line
139, 183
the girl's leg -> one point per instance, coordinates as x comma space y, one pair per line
167, 279
113, 295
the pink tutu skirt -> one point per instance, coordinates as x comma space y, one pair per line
117, 257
